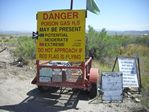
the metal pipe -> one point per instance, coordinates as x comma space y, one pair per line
71, 5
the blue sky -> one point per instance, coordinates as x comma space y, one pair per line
20, 15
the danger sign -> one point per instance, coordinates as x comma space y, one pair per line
61, 35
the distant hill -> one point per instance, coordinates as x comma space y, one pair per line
135, 33
16, 33
110, 32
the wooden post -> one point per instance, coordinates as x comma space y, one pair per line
114, 64
139, 75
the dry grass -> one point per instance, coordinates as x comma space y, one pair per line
135, 50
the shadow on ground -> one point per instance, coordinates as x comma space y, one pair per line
48, 102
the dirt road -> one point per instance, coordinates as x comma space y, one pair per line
17, 94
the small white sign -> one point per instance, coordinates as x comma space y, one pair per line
112, 86
129, 69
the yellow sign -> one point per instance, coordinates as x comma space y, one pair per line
61, 35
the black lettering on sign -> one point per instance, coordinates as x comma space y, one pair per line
43, 56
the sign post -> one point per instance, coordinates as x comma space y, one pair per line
61, 35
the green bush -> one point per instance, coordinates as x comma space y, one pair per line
105, 45
145, 90
25, 47
143, 40
98, 42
